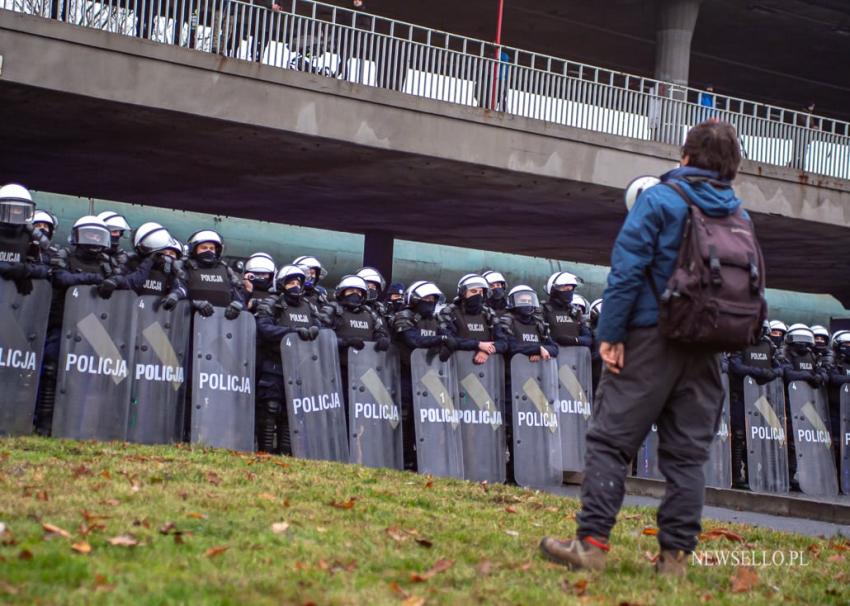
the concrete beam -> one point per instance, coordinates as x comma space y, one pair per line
676, 22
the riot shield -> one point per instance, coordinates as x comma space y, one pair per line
223, 353
816, 473
95, 362
482, 404
767, 448
374, 407
436, 416
718, 468
575, 395
844, 437
537, 454
159, 370
21, 350
647, 456
314, 397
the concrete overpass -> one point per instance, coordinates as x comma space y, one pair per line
97, 114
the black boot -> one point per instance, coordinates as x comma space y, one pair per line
284, 441
739, 460
267, 414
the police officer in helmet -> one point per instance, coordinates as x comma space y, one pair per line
86, 263
376, 283
523, 327
286, 312
118, 228
566, 321
352, 319
210, 282
838, 373
20, 260
258, 278
314, 271
155, 270
777, 333
822, 348
470, 321
498, 291
760, 362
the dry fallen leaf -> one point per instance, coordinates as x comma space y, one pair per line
413, 601
50, 529
814, 549
525, 567
396, 534
512, 533
196, 515
8, 588
650, 532
349, 504
706, 597
321, 529
280, 527
744, 579
579, 588
396, 589
484, 567
438, 567
167, 528
836, 557
510, 509
427, 544
82, 470
213, 478
718, 533
41, 495
213, 552
81, 547
124, 540
111, 502
840, 546
266, 496
102, 584
25, 554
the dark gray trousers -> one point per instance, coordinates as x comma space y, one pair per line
679, 389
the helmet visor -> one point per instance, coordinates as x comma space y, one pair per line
92, 236
16, 212
523, 298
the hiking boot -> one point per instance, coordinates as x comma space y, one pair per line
672, 564
576, 554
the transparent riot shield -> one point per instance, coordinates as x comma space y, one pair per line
482, 405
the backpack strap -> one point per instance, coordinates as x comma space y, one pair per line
678, 189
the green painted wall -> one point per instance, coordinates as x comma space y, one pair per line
342, 253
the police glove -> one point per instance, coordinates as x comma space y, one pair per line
450, 343
382, 344
303, 333
357, 344
17, 271
314, 332
233, 310
815, 381
445, 353
107, 287
204, 308
170, 302
24, 286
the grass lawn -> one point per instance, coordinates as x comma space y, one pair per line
101, 523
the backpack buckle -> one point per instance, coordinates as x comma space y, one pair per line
714, 267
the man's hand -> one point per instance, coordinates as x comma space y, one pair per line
487, 347
247, 285
481, 357
614, 356
534, 358
544, 353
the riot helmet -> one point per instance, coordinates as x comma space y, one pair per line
117, 225
351, 291
260, 270
523, 300
206, 246
374, 280
841, 343
312, 269
777, 332
46, 222
800, 337
821, 334
290, 282
595, 311
423, 297
90, 234
395, 296
152, 237
471, 293
16, 205
498, 287
560, 288
636, 188
580, 304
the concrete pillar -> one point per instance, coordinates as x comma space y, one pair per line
378, 252
676, 22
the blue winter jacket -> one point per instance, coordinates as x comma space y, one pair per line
650, 238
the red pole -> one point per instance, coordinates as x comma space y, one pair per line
498, 51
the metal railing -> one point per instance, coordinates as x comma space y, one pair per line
342, 43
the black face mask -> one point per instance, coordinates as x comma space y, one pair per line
776, 340
114, 242
524, 312
800, 348
473, 304
497, 294
208, 257
562, 297
352, 300
293, 295
87, 251
397, 305
262, 283
372, 294
844, 351
426, 308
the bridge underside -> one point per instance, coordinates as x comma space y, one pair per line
83, 146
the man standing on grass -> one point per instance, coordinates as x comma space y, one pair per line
649, 378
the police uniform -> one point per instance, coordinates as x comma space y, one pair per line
470, 329
217, 283
567, 326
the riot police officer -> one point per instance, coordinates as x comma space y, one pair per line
376, 283
822, 348
497, 294
394, 298
156, 269
523, 327
777, 333
566, 321
838, 374
118, 228
210, 282
258, 278
287, 312
44, 227
595, 358
470, 321
760, 362
85, 264
353, 321
313, 291
19, 242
